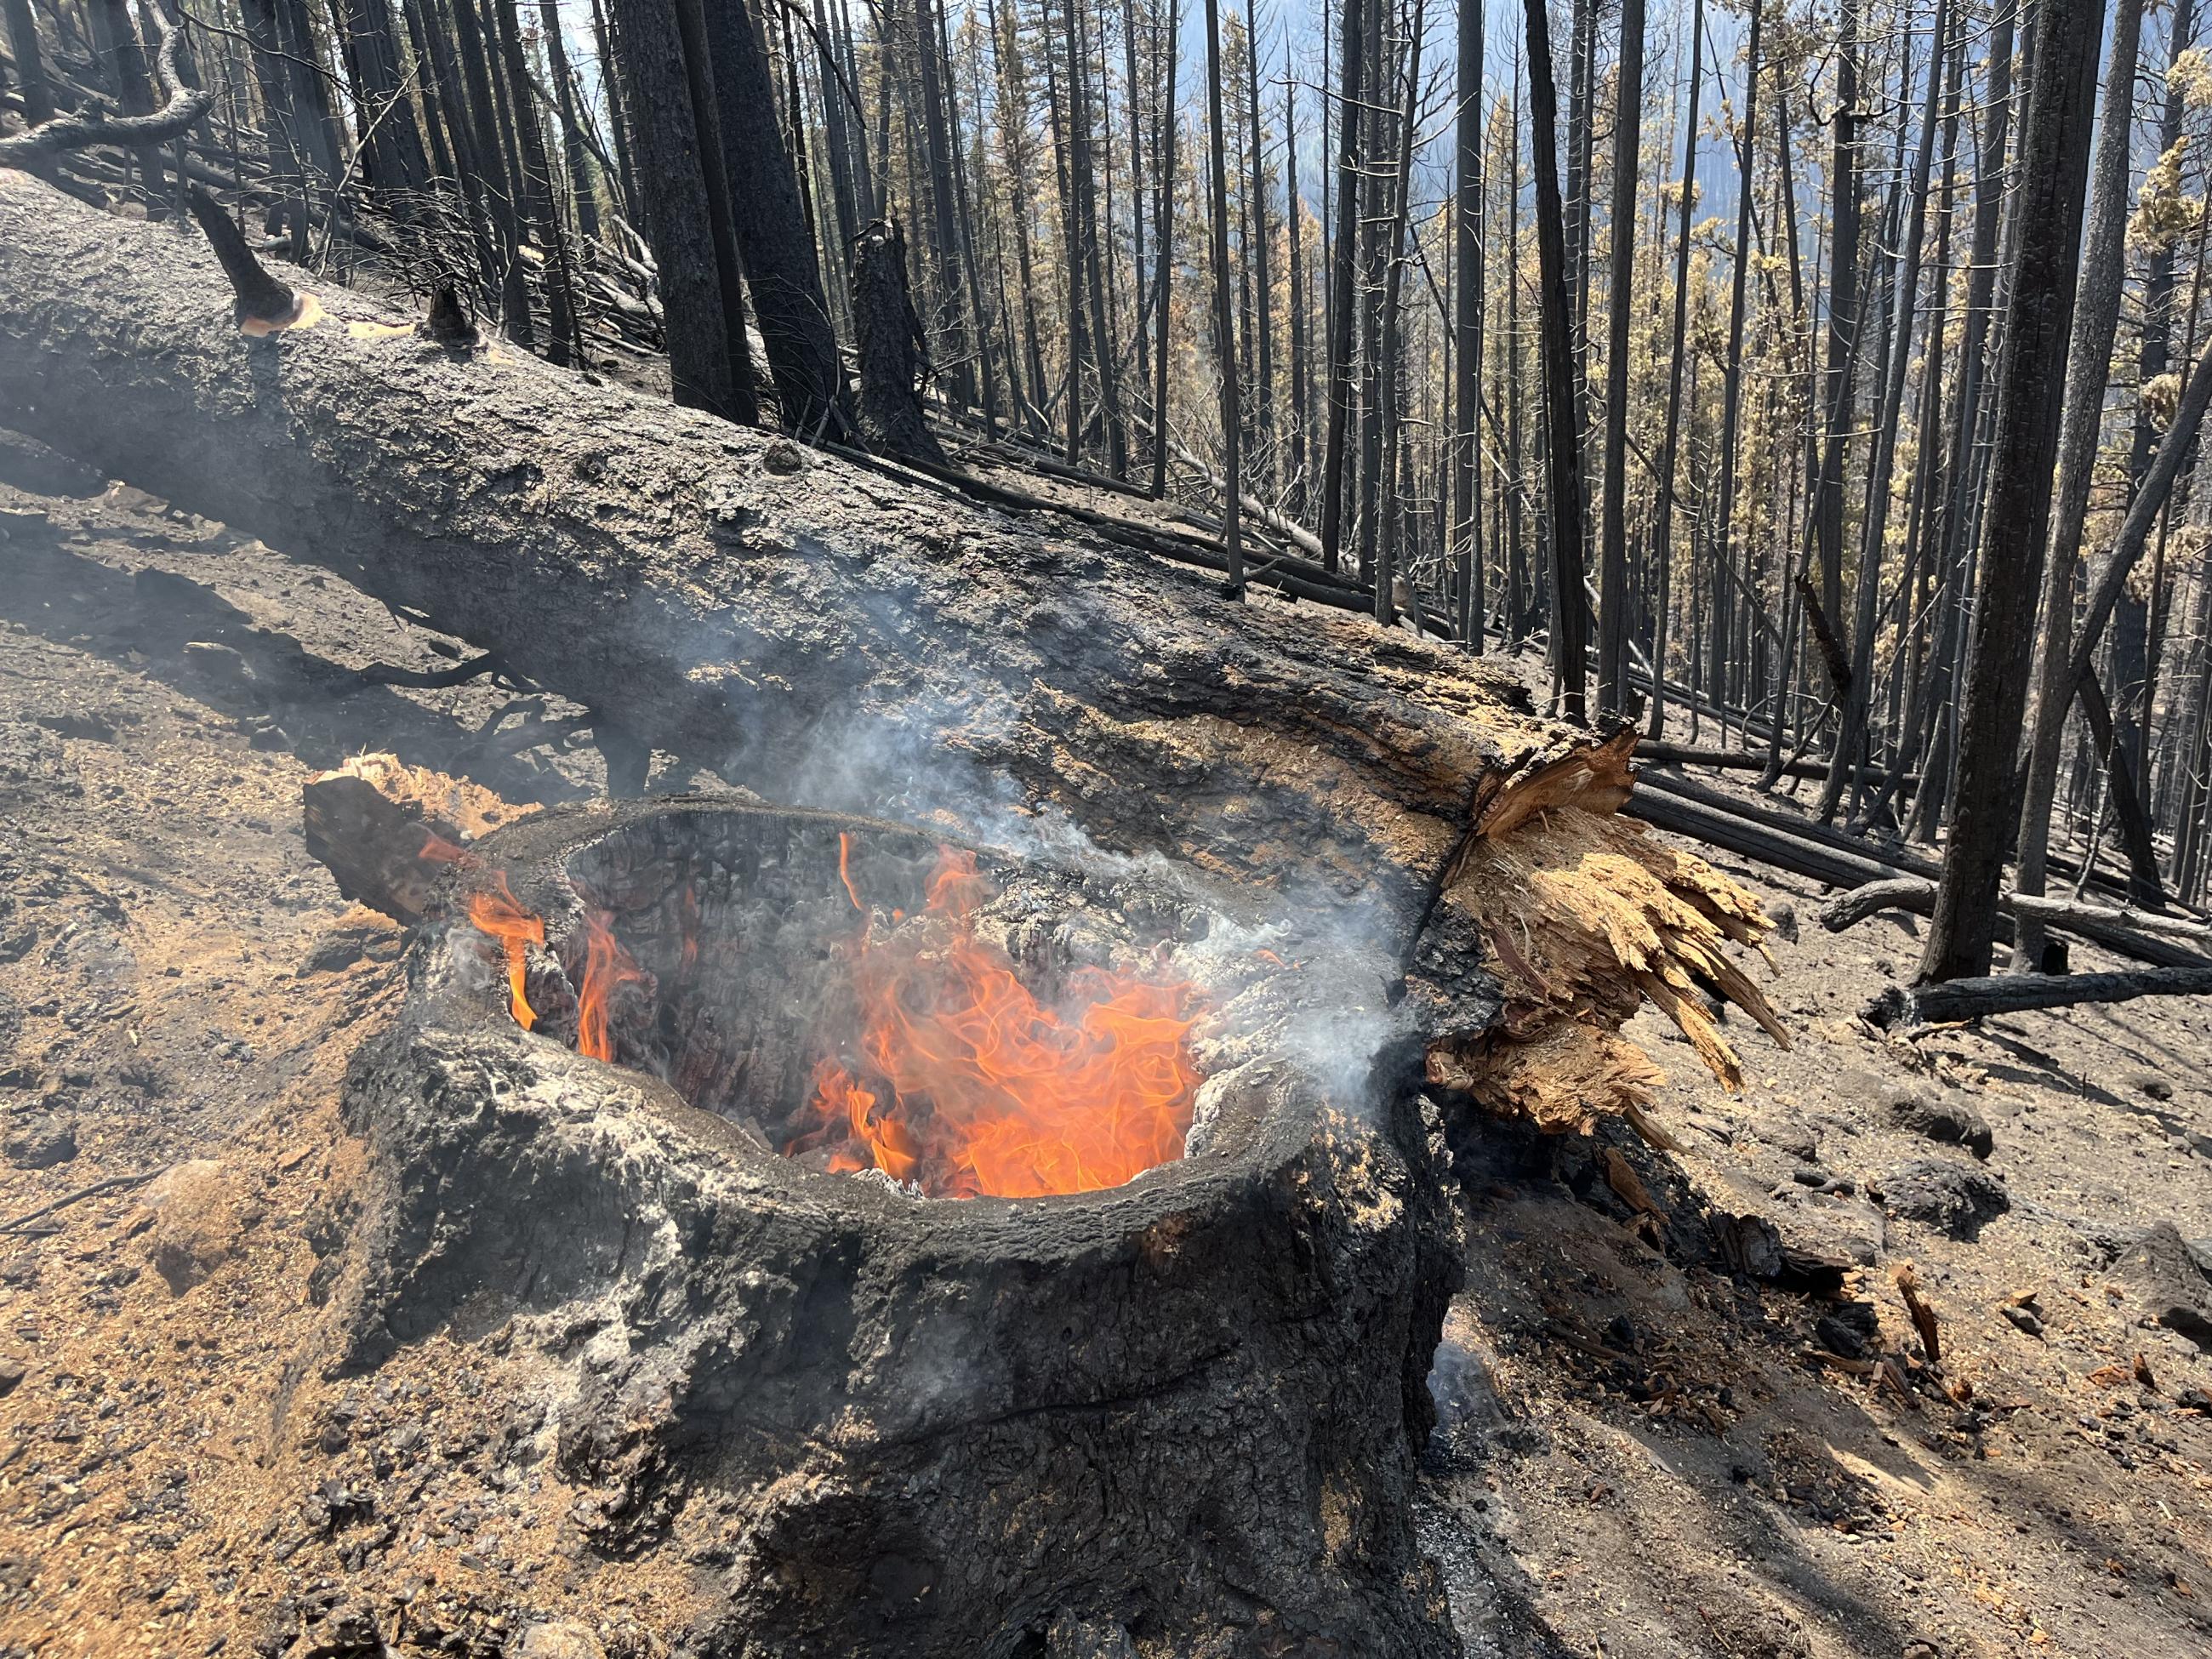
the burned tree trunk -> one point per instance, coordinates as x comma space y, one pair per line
769, 219
892, 345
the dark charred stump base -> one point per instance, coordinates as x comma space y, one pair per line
1179, 1416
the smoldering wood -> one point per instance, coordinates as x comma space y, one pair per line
1196, 1369
831, 632
2010, 994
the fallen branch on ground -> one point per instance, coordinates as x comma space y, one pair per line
2010, 994
1735, 759
113, 1183
1683, 815
2133, 933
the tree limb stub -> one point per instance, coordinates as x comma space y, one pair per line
257, 297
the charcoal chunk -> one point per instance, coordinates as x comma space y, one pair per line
1955, 1198
1944, 1117
2164, 1272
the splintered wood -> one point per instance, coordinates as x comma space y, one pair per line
1585, 915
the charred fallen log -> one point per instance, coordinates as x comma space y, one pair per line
2008, 994
820, 633
2168, 941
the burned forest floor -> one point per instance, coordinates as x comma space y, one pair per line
1660, 1432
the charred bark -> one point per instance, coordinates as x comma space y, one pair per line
2010, 994
772, 235
893, 348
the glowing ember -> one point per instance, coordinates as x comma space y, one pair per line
497, 912
966, 1084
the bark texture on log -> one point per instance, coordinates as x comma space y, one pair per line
823, 635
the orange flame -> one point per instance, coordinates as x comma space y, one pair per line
498, 914
972, 1086
606, 965
845, 869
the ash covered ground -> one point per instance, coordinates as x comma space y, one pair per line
1640, 1451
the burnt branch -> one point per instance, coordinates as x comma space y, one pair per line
432, 679
259, 297
96, 126
2012, 993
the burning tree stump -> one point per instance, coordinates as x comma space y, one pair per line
1184, 1407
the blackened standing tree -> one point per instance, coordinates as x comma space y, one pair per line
572, 144
2088, 365
1613, 596
1390, 567
1732, 385
1012, 112
124, 67
1301, 356
707, 368
1163, 273
1224, 325
774, 239
537, 191
1467, 329
1082, 172
1374, 215
1851, 743
1263, 413
1960, 470
393, 159
1350, 91
945, 223
499, 186
37, 91
1842, 319
2053, 174
892, 343
1563, 440
618, 122
1664, 571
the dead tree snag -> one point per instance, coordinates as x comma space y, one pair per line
891, 344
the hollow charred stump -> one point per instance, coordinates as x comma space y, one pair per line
1185, 1408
